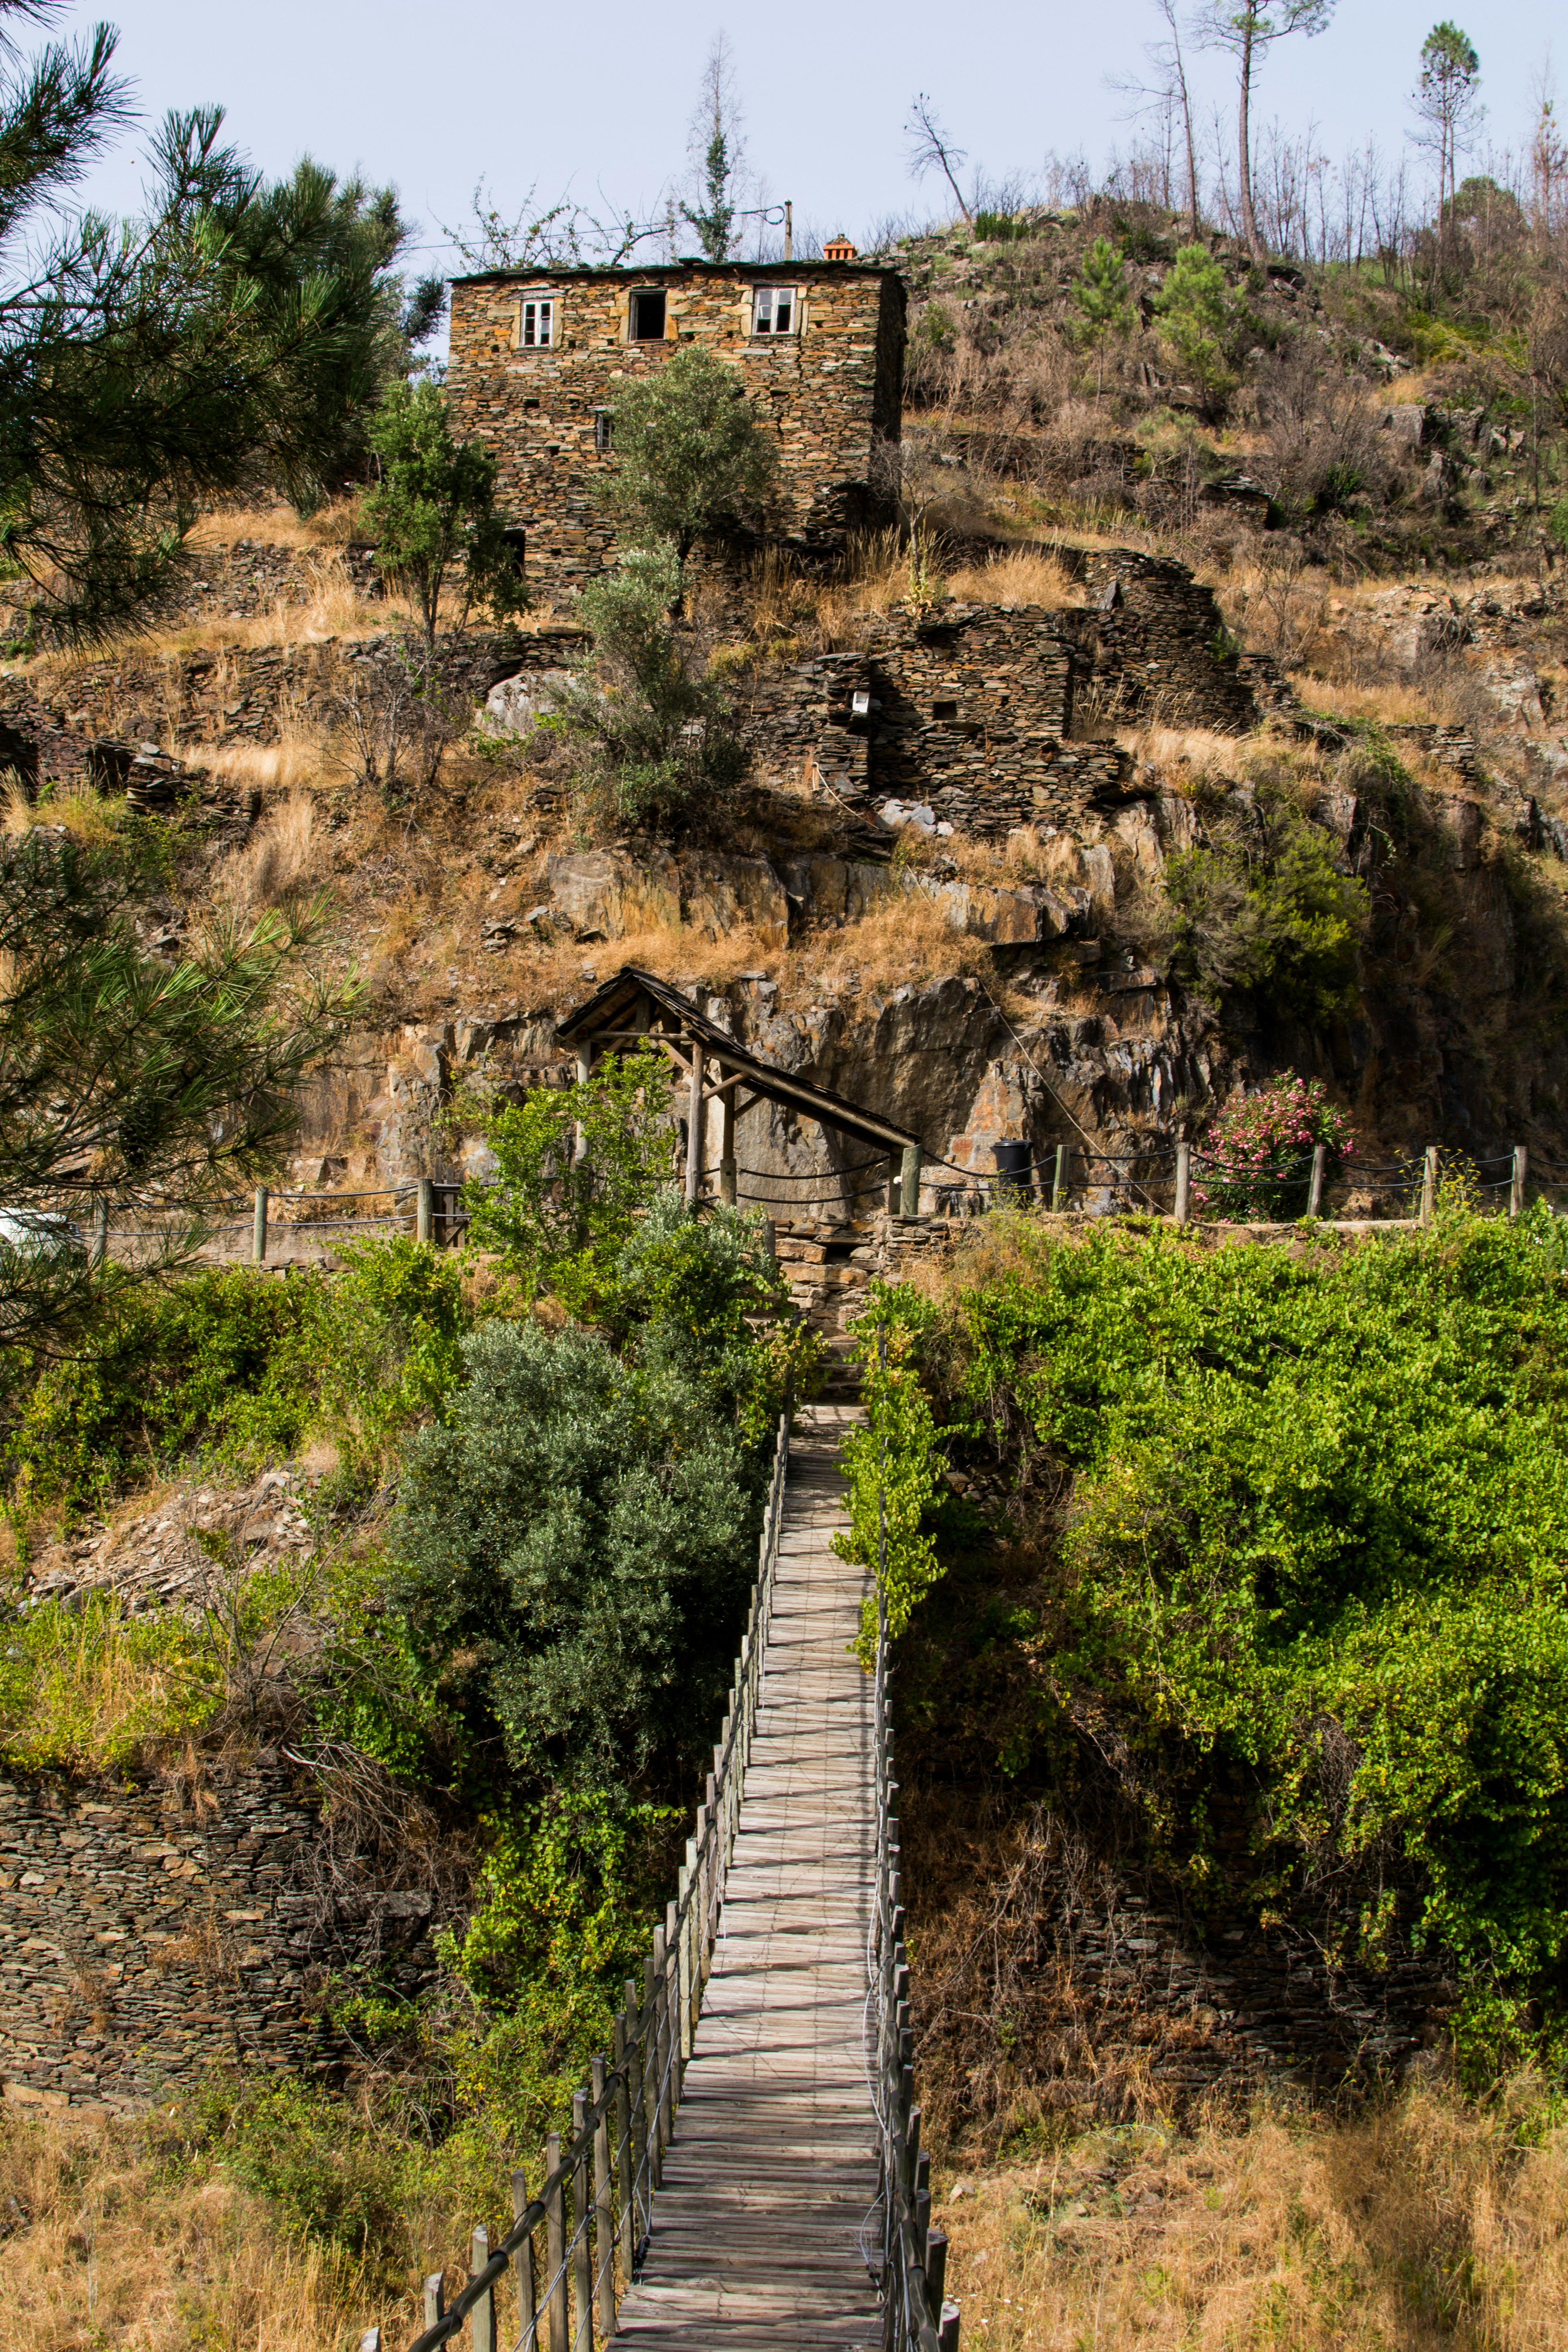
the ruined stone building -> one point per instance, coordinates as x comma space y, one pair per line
536, 361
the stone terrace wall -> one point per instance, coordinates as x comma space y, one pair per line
248, 691
831, 390
143, 1943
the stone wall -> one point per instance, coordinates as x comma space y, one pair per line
830, 390
149, 1934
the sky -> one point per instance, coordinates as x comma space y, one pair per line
591, 99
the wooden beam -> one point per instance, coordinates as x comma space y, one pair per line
696, 1121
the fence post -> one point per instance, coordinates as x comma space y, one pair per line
910, 1181
582, 2262
434, 2298
1428, 1183
1315, 1189
636, 2098
522, 2263
484, 2309
99, 1249
672, 2016
655, 2031
683, 1951
555, 2245
1516, 1189
696, 1121
425, 1215
729, 1169
1060, 1179
625, 2146
1184, 1180
258, 1228
604, 2215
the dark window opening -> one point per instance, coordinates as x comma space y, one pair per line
517, 545
531, 403
603, 431
944, 711
648, 317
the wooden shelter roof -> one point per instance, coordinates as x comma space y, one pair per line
636, 1004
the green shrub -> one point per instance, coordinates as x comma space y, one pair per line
1312, 1579
574, 1550
1264, 910
1202, 323
86, 1688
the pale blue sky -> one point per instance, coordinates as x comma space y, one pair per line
599, 94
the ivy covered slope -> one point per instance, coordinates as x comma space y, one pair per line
1283, 1562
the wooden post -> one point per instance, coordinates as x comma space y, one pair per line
585, 1072
484, 2313
1516, 1189
1428, 1183
683, 1913
1059, 1179
672, 2016
728, 1172
258, 1228
1315, 1189
1184, 1180
655, 2019
696, 1119
582, 2253
522, 2263
621, 2052
99, 1249
947, 2329
555, 2246
936, 2268
425, 1215
370, 2340
434, 2298
637, 2098
603, 2212
910, 1181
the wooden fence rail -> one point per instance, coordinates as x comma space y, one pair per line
594, 2205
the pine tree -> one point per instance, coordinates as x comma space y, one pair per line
1102, 294
434, 509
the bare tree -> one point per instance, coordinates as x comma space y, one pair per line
716, 147
931, 149
1167, 96
1247, 34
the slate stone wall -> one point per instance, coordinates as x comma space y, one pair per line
831, 391
146, 1937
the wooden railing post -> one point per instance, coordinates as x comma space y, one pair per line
656, 2017
484, 2311
696, 1121
1428, 1183
522, 2262
1516, 1188
1059, 1179
100, 1248
435, 2299
1184, 1180
637, 2099
258, 1227
604, 2215
425, 1211
555, 2247
910, 1181
581, 2251
671, 1998
1315, 1189
623, 2052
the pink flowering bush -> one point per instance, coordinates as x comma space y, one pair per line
1255, 1160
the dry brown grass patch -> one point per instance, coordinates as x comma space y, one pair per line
1018, 576
278, 526
1424, 2224
277, 863
906, 939
104, 2247
1393, 702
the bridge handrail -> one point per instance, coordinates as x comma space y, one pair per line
595, 2204
918, 2317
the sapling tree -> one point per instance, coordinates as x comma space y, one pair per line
434, 509
1198, 317
1102, 294
692, 456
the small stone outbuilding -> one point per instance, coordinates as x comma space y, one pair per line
536, 361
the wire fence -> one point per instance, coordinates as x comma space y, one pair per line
577, 2245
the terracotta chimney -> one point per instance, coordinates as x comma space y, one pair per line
838, 249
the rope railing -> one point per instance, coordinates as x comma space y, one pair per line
912, 2273
596, 2203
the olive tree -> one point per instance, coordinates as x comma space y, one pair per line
691, 456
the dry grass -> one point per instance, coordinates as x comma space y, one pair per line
1184, 758
904, 940
1425, 2223
88, 815
278, 526
1391, 701
300, 756
1022, 576
279, 863
105, 2246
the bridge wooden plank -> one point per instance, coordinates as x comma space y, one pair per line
772, 2170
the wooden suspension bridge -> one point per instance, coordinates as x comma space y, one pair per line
745, 2167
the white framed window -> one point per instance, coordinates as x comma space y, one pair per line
539, 323
776, 310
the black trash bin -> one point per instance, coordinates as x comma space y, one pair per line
1013, 1164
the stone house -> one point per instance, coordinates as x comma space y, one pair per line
536, 360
